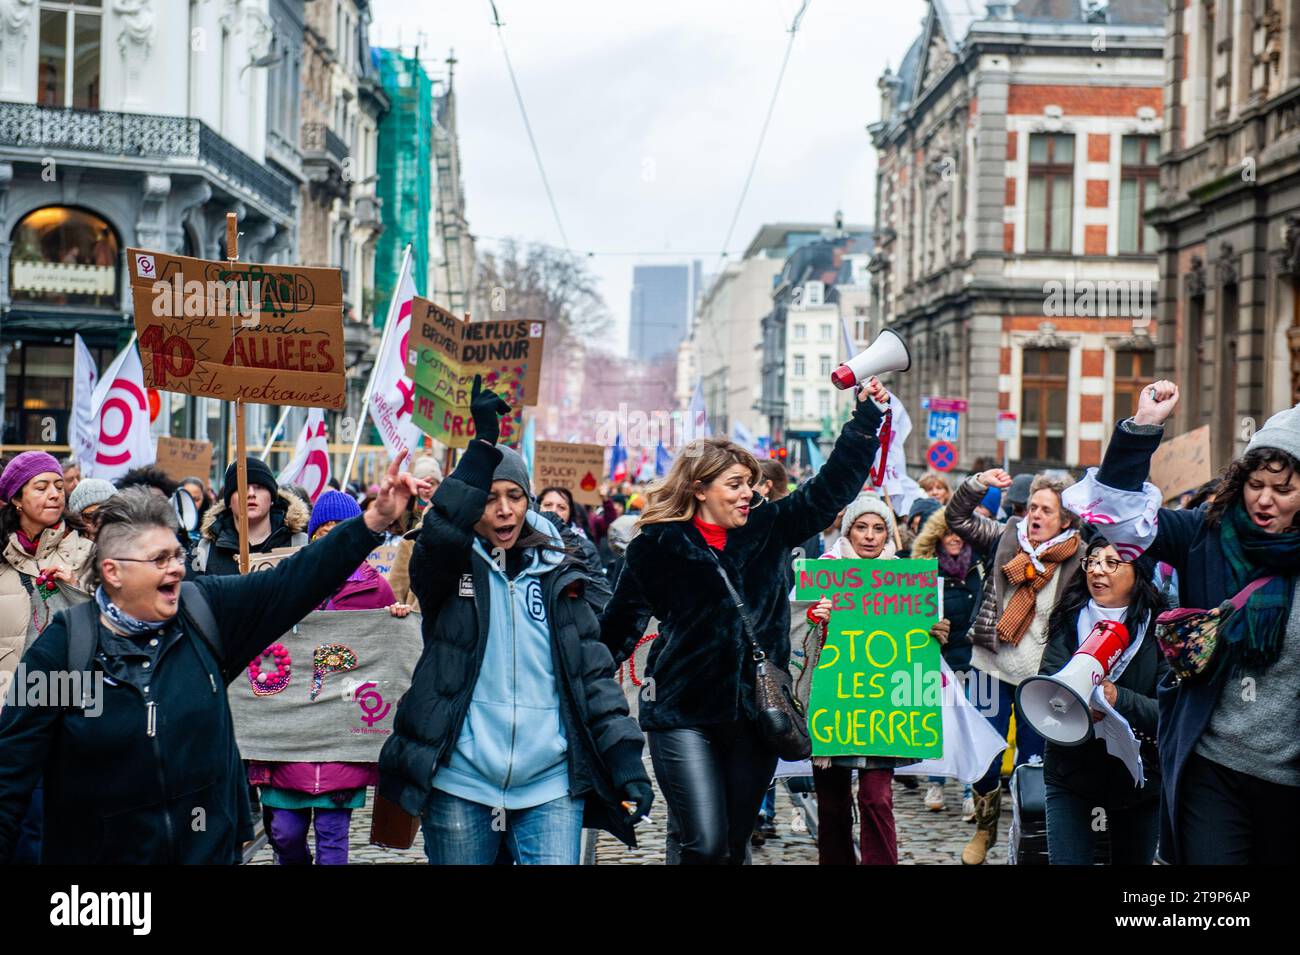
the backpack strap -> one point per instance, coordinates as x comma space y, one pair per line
198, 613
82, 622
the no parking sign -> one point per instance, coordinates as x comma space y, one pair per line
942, 455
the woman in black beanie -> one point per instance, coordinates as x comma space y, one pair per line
275, 519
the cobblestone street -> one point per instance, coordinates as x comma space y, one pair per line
924, 837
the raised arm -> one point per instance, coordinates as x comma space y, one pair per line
810, 508
253, 609
980, 532
1128, 462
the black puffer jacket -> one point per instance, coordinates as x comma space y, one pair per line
604, 743
701, 663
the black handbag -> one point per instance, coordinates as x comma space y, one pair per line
781, 720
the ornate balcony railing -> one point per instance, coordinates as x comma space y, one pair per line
142, 135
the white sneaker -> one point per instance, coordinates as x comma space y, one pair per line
968, 809
934, 798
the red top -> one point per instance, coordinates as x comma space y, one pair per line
715, 535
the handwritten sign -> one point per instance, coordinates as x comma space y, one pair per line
878, 687
443, 355
271, 334
382, 558
574, 466
1182, 463
181, 458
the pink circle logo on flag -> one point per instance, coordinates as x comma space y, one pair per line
124, 399
1128, 552
1096, 517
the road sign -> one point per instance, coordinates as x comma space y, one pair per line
958, 405
942, 425
942, 455
1006, 426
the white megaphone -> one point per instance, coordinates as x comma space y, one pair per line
1057, 706
887, 353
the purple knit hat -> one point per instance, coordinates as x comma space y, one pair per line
23, 468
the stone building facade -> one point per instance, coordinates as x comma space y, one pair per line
1229, 216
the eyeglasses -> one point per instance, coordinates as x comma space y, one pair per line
1103, 565
162, 561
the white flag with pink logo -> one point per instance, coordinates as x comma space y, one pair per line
122, 418
310, 467
1129, 520
392, 395
83, 423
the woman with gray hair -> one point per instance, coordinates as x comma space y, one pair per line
1034, 560
125, 781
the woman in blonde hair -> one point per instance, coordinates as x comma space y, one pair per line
702, 521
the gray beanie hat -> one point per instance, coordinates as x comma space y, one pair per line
1282, 431
867, 503
88, 493
426, 468
512, 468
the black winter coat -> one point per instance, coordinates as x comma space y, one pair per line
701, 664
961, 601
114, 793
289, 517
1088, 770
604, 743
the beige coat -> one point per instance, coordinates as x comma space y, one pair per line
58, 547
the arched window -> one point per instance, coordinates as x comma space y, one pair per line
64, 256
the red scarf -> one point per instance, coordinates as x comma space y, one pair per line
715, 535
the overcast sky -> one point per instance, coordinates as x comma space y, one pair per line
647, 114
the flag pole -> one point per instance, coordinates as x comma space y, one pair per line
241, 452
370, 383
276, 430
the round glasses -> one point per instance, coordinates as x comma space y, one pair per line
1101, 565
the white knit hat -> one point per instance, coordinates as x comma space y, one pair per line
867, 503
1282, 431
426, 468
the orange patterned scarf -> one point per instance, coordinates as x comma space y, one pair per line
1028, 581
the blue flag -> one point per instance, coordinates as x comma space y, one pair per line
663, 460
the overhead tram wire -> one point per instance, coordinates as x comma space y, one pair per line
528, 127
758, 149
767, 120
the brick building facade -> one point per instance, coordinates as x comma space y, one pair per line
1018, 145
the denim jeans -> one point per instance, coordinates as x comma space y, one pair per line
1072, 840
1028, 743
460, 832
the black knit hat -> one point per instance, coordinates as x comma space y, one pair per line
258, 473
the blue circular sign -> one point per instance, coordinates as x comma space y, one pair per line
942, 455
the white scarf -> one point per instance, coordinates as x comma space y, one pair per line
1033, 550
1091, 613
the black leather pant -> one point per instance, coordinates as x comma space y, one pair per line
713, 778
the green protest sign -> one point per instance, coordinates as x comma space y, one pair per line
877, 689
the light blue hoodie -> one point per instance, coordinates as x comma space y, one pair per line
512, 751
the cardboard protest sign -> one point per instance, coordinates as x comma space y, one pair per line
335, 699
877, 689
382, 558
1182, 463
577, 467
181, 458
271, 334
267, 561
443, 355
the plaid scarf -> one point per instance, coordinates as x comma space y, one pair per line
1028, 581
1255, 632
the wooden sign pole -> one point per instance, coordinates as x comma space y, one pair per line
241, 451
